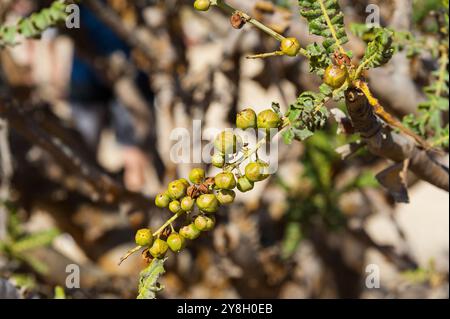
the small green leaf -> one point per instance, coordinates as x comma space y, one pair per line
328, 23
148, 281
380, 50
288, 136
302, 134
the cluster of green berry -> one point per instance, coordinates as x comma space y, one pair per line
200, 197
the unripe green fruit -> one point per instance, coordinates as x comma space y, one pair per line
176, 242
187, 203
256, 172
335, 76
204, 223
218, 160
246, 119
202, 5
175, 206
225, 180
144, 237
227, 143
290, 46
159, 248
190, 232
208, 203
185, 182
268, 119
225, 196
162, 200
244, 184
176, 189
197, 175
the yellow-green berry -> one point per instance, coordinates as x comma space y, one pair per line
159, 248
218, 160
335, 76
190, 232
185, 182
225, 196
175, 206
268, 119
256, 171
290, 46
197, 175
204, 223
176, 189
225, 180
202, 5
162, 200
244, 184
208, 203
227, 143
187, 204
144, 237
246, 119
176, 242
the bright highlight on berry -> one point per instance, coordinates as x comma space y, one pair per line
202, 5
290, 46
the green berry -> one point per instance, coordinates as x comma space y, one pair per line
246, 119
268, 119
225, 196
256, 171
144, 237
218, 160
162, 200
208, 203
290, 46
225, 180
175, 206
190, 232
187, 204
335, 76
185, 182
202, 5
159, 248
227, 143
176, 242
197, 175
244, 184
204, 223
176, 189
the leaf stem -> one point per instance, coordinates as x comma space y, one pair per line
330, 26
258, 145
168, 222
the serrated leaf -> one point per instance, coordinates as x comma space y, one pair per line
319, 58
148, 279
34, 25
380, 50
288, 136
34, 241
325, 19
277, 109
302, 134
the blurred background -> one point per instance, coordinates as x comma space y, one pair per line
86, 116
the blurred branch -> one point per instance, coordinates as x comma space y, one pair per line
103, 187
6, 171
391, 145
130, 35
